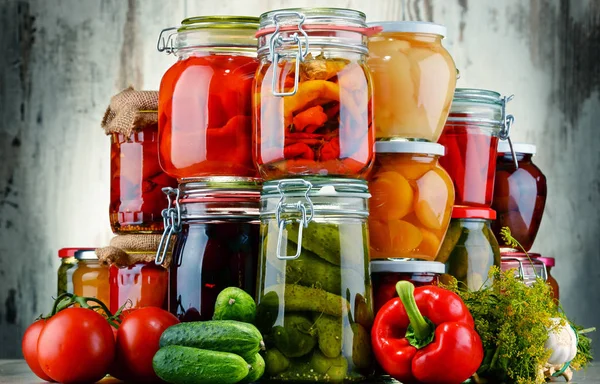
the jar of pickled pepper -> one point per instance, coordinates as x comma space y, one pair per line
216, 246
312, 95
314, 275
519, 193
411, 202
470, 248
414, 78
205, 114
476, 122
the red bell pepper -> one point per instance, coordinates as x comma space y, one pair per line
426, 335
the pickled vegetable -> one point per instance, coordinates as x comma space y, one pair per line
296, 337
413, 80
329, 329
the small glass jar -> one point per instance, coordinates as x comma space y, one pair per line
527, 267
414, 78
314, 274
312, 95
386, 273
216, 245
142, 284
519, 194
136, 198
205, 114
67, 261
470, 248
476, 122
89, 277
411, 203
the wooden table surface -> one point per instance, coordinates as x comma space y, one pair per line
17, 372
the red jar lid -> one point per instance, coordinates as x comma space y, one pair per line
523, 255
462, 212
549, 261
70, 252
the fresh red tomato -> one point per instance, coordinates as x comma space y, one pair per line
30, 349
137, 343
76, 346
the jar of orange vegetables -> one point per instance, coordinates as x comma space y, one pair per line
411, 200
414, 78
205, 120
312, 94
89, 276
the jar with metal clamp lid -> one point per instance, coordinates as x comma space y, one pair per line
312, 96
315, 305
526, 266
204, 109
217, 229
476, 122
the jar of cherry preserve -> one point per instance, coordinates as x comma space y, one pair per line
217, 232
476, 122
205, 115
519, 193
312, 95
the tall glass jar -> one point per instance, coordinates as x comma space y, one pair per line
312, 95
476, 122
216, 245
414, 78
89, 277
314, 296
411, 203
519, 194
205, 114
136, 198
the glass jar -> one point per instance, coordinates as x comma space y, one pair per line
136, 198
312, 95
519, 194
205, 114
470, 248
414, 78
386, 273
216, 245
476, 122
549, 262
142, 284
89, 277
314, 275
411, 203
67, 261
527, 267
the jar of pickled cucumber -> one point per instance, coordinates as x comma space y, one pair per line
315, 305
414, 78
470, 248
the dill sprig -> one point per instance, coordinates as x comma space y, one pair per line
509, 240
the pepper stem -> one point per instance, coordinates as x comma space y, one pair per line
420, 331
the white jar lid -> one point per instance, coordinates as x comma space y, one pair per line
411, 27
407, 266
417, 147
528, 149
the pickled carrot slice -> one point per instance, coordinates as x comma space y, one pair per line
391, 196
431, 203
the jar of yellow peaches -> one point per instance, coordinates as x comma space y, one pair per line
411, 200
414, 78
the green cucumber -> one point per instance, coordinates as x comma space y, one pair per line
184, 365
235, 304
217, 335
257, 369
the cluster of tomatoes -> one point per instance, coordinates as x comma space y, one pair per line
80, 345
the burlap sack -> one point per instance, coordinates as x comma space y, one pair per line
131, 111
126, 250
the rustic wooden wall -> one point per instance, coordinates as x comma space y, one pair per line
63, 59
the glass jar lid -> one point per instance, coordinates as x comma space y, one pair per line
70, 252
407, 266
215, 32
415, 147
464, 212
524, 148
86, 255
424, 27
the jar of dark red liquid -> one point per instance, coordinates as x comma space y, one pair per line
386, 273
476, 122
519, 194
217, 232
312, 96
205, 118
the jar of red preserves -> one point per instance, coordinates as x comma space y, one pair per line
217, 227
386, 273
519, 193
205, 119
476, 122
312, 94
